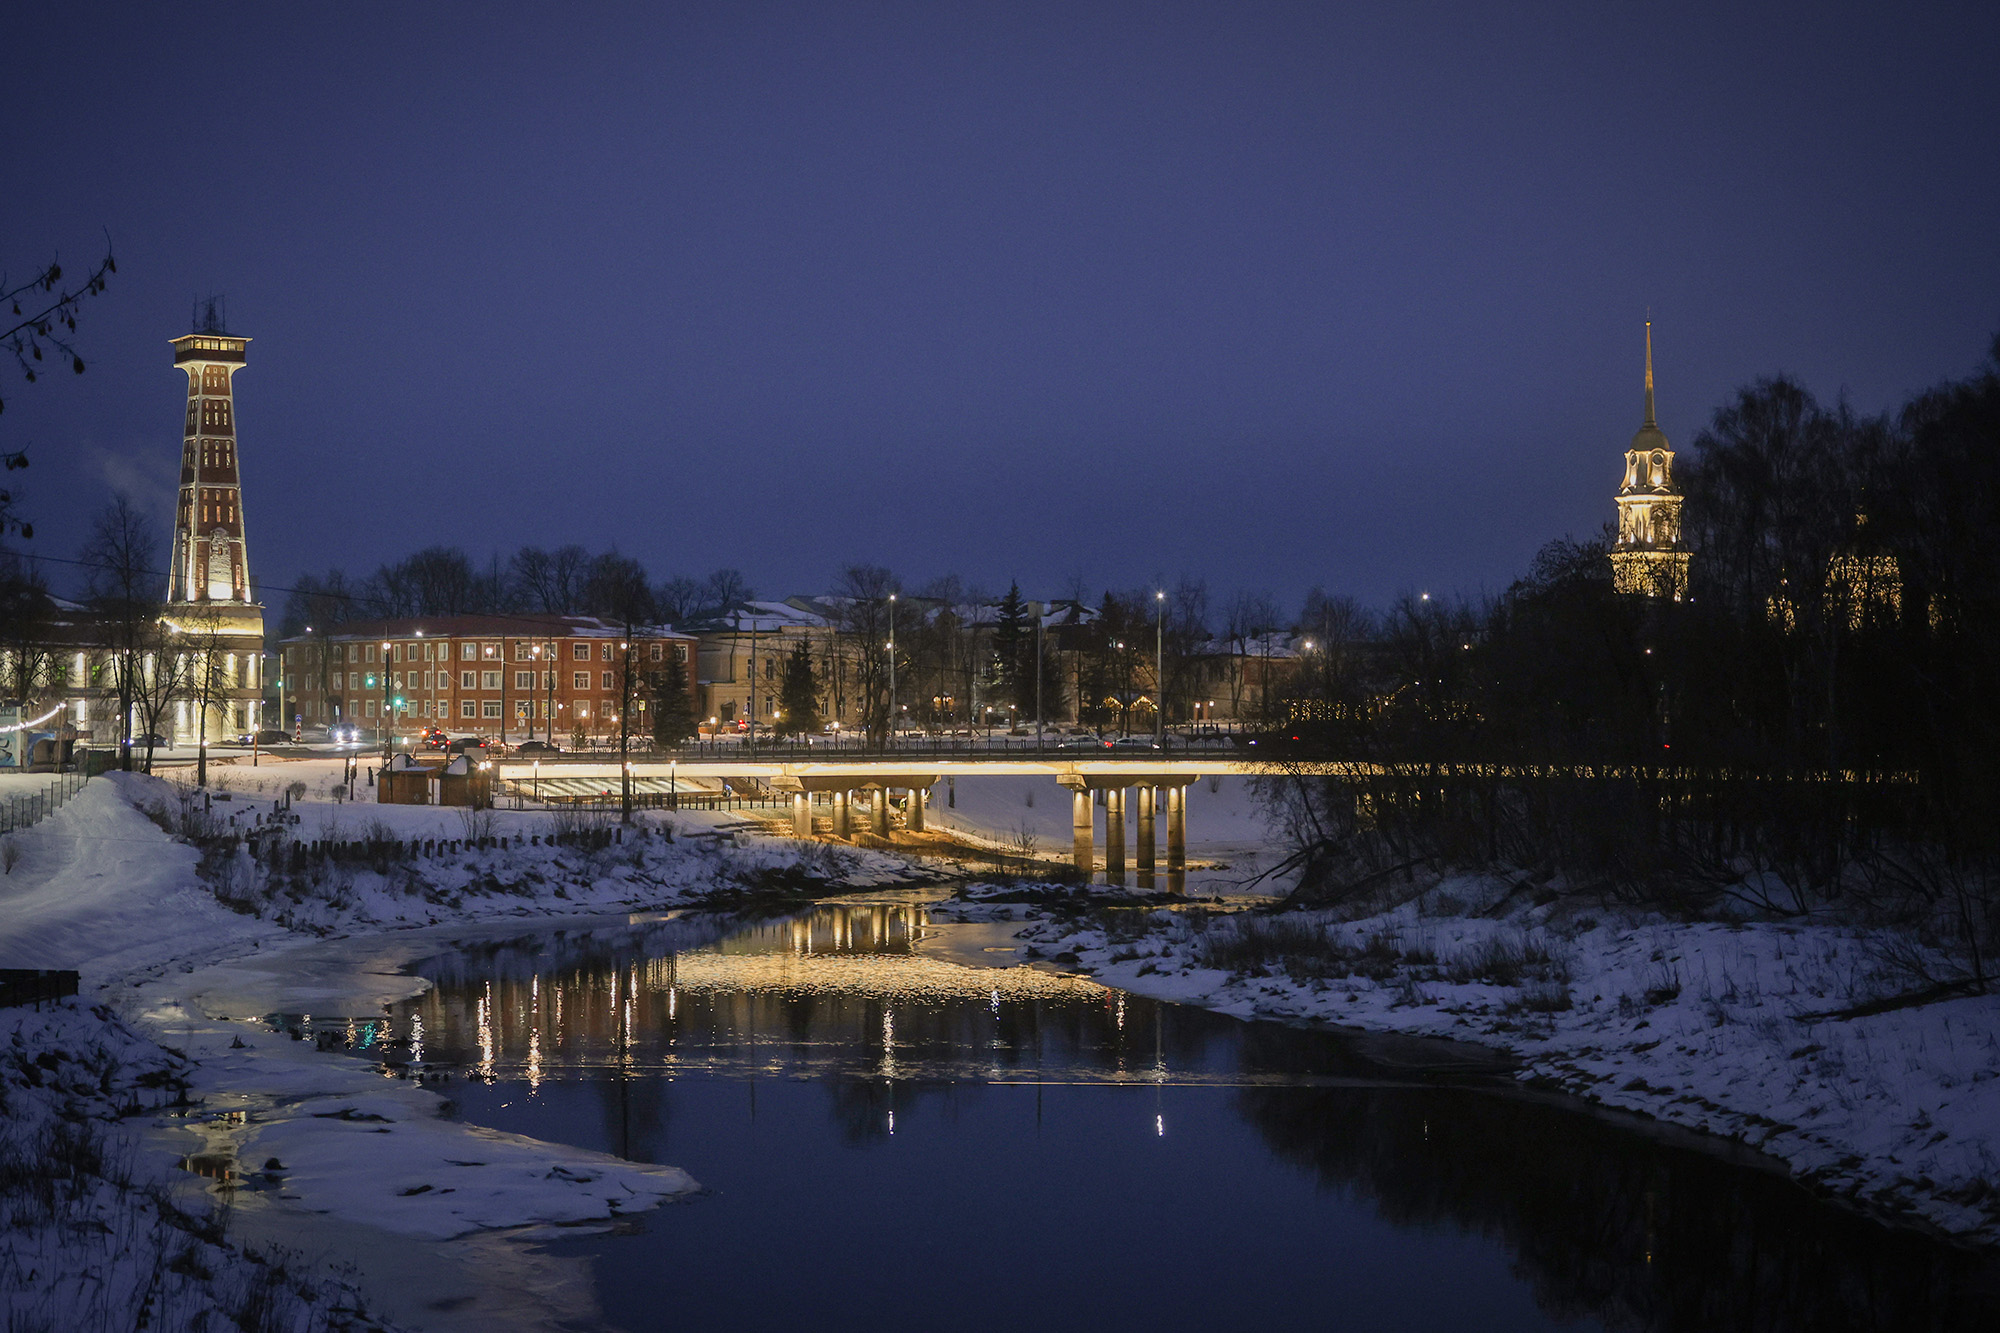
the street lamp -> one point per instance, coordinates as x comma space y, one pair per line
892, 665
1160, 670
385, 704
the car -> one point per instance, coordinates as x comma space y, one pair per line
468, 745
1083, 743
268, 736
1134, 743
151, 741
434, 738
343, 733
537, 748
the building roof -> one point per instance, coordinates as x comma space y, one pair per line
523, 626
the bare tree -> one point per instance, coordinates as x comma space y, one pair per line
550, 581
39, 325
678, 599
1248, 616
203, 643
723, 589
861, 601
161, 679
25, 615
122, 557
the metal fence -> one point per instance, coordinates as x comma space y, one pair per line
21, 810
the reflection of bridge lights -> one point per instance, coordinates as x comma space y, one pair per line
892, 1134
417, 1038
1159, 1126
1121, 1011
488, 1048
534, 1059
888, 1043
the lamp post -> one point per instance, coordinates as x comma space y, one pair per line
1160, 670
549, 683
385, 704
892, 668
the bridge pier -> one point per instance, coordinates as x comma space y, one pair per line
1144, 795
913, 818
842, 826
879, 812
1177, 838
1083, 829
1114, 835
802, 814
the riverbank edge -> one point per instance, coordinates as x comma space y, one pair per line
1620, 1079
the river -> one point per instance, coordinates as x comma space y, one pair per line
894, 1139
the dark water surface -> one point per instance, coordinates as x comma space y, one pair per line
892, 1141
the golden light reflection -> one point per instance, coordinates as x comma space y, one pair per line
488, 1049
888, 977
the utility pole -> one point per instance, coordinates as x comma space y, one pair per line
1040, 616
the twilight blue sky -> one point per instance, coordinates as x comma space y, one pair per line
1280, 294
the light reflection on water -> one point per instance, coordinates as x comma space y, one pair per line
1129, 1162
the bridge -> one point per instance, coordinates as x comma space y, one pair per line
860, 791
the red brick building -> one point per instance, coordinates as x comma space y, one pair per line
478, 675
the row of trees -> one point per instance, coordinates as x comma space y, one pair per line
148, 664
1816, 722
568, 580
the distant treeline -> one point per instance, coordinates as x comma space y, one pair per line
568, 580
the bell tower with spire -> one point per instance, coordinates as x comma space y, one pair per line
1648, 559
209, 596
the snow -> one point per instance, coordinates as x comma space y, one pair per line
103, 888
1716, 1027
97, 1233
1724, 1028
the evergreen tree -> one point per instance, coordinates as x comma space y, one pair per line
672, 710
798, 694
1014, 649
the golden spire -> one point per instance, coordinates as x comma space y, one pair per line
1649, 375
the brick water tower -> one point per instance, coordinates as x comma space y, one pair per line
209, 597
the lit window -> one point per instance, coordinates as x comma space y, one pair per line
489, 680
468, 651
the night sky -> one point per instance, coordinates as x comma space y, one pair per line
1274, 294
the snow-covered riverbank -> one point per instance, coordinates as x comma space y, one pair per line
174, 980
1734, 1029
